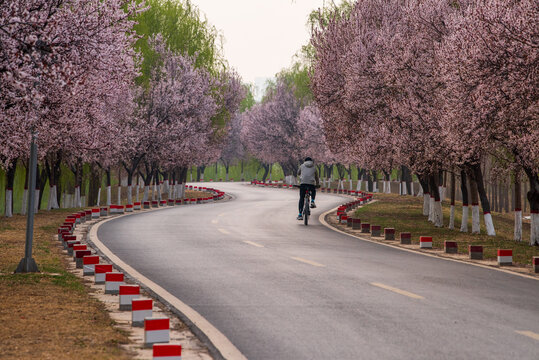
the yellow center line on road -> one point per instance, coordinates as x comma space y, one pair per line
224, 231
530, 334
398, 291
253, 244
313, 263
214, 221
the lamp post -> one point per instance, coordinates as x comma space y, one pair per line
27, 263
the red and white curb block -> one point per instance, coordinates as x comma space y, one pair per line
128, 293
451, 247
535, 264
475, 252
167, 352
79, 255
100, 272
113, 280
140, 310
156, 330
406, 238
389, 234
425, 242
96, 213
88, 264
505, 257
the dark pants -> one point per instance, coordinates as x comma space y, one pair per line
302, 190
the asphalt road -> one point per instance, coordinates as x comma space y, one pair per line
280, 290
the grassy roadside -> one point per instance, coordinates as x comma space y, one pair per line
405, 214
50, 314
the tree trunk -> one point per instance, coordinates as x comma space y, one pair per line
10, 177
41, 182
437, 214
533, 198
426, 195
489, 224
109, 192
465, 201
266, 170
227, 166
475, 205
24, 207
452, 211
518, 207
95, 184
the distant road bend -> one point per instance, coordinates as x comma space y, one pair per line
280, 290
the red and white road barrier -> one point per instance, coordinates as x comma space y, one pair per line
140, 309
167, 352
104, 211
163, 203
155, 203
67, 238
100, 271
535, 264
79, 255
356, 224
96, 213
113, 280
178, 201
406, 238
136, 206
156, 330
127, 294
425, 242
376, 230
451, 247
88, 264
146, 204
129, 208
344, 219
365, 228
389, 233
505, 257
88, 215
170, 202
70, 245
475, 252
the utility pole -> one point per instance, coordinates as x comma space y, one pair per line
28, 263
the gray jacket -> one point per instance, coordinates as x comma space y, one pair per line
307, 173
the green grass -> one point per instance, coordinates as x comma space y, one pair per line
405, 214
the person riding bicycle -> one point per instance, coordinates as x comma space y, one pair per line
308, 179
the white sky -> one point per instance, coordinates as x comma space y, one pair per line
260, 36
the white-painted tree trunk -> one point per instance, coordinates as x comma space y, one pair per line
137, 190
159, 197
444, 193
388, 189
351, 187
146, 193
154, 192
36, 201
9, 203
518, 225
24, 206
170, 191
431, 209
375, 187
534, 233
426, 204
130, 194
438, 214
119, 195
489, 224
412, 188
53, 202
359, 185
403, 188
109, 196
475, 220
98, 202
420, 192
191, 176
452, 218
165, 186
464, 223
226, 177
78, 200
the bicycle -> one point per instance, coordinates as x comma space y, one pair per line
306, 205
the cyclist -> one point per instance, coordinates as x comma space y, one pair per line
308, 179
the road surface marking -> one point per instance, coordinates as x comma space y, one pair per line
308, 262
214, 221
530, 334
226, 232
223, 214
398, 291
253, 243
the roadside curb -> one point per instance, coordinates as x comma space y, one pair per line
218, 345
322, 219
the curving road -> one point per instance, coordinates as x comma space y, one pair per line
280, 290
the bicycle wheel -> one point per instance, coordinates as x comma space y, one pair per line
306, 211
